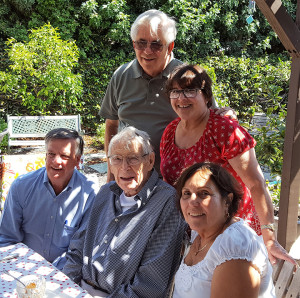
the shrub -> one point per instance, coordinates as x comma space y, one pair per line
4, 143
100, 134
40, 76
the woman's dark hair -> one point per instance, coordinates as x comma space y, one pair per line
191, 76
224, 181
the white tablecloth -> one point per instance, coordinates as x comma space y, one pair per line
30, 262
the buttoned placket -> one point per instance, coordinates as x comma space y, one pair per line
114, 226
153, 96
51, 221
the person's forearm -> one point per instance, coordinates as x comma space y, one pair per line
74, 259
73, 272
111, 129
11, 230
60, 261
247, 167
6, 242
263, 203
249, 170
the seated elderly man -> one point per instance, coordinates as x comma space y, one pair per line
130, 247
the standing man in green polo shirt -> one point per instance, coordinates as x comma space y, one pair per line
135, 95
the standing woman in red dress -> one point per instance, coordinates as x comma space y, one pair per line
200, 135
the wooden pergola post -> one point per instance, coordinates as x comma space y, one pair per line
290, 177
289, 34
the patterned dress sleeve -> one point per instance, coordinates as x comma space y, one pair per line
231, 138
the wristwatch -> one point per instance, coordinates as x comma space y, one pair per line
268, 226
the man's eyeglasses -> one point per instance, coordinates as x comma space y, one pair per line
175, 93
132, 160
155, 46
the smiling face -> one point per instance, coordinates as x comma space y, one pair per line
131, 179
202, 205
189, 108
152, 62
60, 162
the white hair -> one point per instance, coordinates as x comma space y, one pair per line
157, 20
129, 134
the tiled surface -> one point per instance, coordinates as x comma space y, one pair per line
100, 167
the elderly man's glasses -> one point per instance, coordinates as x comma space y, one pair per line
155, 46
175, 93
132, 160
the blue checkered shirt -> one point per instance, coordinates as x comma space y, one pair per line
130, 254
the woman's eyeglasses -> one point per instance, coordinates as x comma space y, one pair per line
155, 46
175, 93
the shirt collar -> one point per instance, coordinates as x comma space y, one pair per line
145, 193
70, 184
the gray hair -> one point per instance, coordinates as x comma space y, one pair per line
129, 134
157, 20
65, 133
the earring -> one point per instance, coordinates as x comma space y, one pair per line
227, 215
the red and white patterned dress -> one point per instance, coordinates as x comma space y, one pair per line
222, 140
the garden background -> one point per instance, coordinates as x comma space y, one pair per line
57, 57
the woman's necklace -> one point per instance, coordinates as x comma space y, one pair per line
200, 249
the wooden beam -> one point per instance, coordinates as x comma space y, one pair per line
282, 23
298, 13
290, 178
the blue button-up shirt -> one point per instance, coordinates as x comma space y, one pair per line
35, 215
130, 254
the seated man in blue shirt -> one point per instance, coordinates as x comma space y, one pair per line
130, 246
44, 208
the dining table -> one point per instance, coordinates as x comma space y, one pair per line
20, 260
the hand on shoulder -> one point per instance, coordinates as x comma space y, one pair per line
227, 112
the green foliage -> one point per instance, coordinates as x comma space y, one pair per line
270, 142
216, 27
11, 20
22, 7
275, 189
40, 76
60, 13
249, 85
212, 27
4, 142
100, 134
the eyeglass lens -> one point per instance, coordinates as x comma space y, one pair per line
175, 93
155, 46
117, 160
